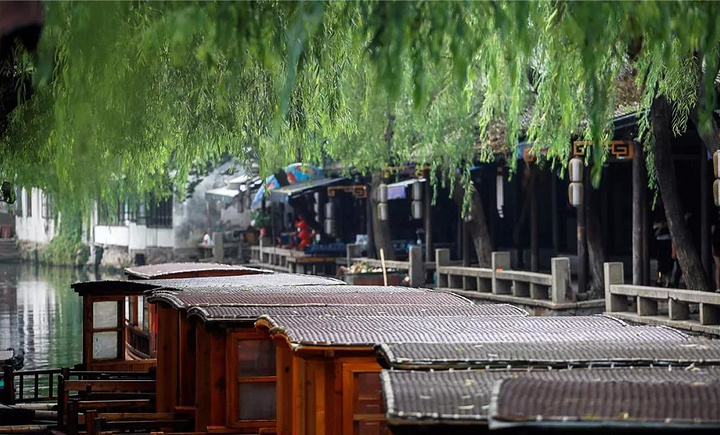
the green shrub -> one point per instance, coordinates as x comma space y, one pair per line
66, 248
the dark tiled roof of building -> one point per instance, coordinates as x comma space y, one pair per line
670, 403
187, 270
251, 313
464, 396
339, 331
320, 295
479, 355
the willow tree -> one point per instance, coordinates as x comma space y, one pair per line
132, 93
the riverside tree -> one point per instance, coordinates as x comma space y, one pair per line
129, 94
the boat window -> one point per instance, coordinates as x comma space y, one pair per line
105, 345
106, 329
256, 358
254, 395
141, 308
127, 308
257, 401
145, 317
105, 314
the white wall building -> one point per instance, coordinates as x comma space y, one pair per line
157, 231
34, 216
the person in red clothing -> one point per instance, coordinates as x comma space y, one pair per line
305, 233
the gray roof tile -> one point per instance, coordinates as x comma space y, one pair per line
480, 355
464, 396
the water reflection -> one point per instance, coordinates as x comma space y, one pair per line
41, 314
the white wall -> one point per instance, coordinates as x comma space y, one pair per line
33, 228
111, 235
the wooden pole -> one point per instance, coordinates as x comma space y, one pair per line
427, 202
382, 263
9, 387
704, 213
637, 227
465, 244
645, 232
369, 223
534, 244
582, 253
554, 214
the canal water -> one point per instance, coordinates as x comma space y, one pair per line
41, 314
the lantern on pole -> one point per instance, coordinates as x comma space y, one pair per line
417, 191
417, 209
330, 224
382, 211
575, 189
329, 210
382, 193
382, 197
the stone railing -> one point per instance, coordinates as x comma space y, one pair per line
415, 266
650, 304
275, 258
500, 280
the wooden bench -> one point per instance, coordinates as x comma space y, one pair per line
113, 392
97, 423
77, 408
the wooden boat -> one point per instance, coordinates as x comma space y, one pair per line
255, 352
12, 357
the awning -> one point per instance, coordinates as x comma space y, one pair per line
288, 192
398, 190
222, 193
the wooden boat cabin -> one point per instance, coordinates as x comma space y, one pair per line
301, 359
216, 343
119, 327
258, 352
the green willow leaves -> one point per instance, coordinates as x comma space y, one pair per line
129, 96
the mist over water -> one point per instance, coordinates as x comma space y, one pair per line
41, 314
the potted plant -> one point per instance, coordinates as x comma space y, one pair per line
260, 219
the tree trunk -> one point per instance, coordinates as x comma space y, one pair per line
381, 229
687, 255
477, 225
596, 253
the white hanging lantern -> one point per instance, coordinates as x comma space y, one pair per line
382, 211
417, 191
716, 193
575, 194
329, 210
417, 209
330, 227
716, 163
575, 169
382, 193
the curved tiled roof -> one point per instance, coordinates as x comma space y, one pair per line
318, 295
233, 283
464, 396
587, 402
188, 270
584, 353
342, 331
251, 313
